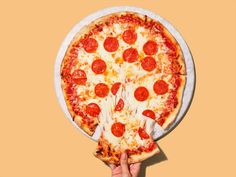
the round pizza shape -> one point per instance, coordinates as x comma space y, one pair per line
126, 73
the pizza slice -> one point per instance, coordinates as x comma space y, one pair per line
133, 137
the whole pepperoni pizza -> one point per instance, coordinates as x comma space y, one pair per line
123, 73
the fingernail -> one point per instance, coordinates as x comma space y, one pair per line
124, 156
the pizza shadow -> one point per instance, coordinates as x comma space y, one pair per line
157, 158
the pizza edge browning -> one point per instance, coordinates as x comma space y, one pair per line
181, 61
88, 27
78, 121
182, 74
143, 156
180, 57
135, 158
108, 154
173, 115
76, 118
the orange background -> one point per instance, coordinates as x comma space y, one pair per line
38, 141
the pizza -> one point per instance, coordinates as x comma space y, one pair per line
133, 137
123, 73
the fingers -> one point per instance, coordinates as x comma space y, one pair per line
136, 165
124, 165
135, 169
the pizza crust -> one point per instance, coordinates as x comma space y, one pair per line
88, 27
171, 118
180, 60
180, 57
63, 85
76, 118
78, 121
143, 156
106, 159
135, 158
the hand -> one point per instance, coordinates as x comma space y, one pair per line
125, 170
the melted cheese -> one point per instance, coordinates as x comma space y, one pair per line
131, 75
115, 141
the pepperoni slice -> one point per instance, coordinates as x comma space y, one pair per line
142, 133
148, 63
129, 36
141, 94
160, 87
115, 87
118, 129
79, 77
101, 90
93, 109
149, 113
90, 45
111, 44
120, 105
130, 55
150, 47
99, 66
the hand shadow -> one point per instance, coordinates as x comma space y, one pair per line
157, 158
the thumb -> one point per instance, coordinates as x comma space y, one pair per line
124, 164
